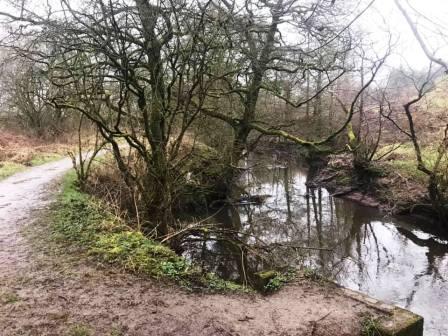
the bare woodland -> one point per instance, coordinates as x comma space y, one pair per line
182, 91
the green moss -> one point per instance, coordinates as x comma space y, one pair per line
344, 180
400, 323
139, 254
217, 284
86, 222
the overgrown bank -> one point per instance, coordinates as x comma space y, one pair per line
48, 288
391, 183
85, 221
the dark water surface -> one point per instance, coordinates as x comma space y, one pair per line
386, 258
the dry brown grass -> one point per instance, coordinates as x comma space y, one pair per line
18, 151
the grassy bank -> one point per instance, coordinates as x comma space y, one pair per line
391, 182
401, 158
8, 168
86, 222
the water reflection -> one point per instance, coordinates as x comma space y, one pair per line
389, 259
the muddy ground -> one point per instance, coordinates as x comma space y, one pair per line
46, 289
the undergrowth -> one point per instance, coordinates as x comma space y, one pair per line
369, 326
402, 159
278, 280
85, 221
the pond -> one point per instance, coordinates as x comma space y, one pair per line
387, 258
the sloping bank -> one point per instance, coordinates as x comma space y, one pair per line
305, 306
86, 221
393, 185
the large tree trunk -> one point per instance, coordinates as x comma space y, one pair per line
158, 185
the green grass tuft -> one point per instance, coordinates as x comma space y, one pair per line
10, 168
79, 330
273, 281
312, 274
369, 326
8, 298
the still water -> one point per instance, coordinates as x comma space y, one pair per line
385, 257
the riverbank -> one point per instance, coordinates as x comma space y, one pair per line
385, 187
49, 287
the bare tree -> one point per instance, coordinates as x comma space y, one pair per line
26, 91
420, 39
321, 46
145, 62
144, 73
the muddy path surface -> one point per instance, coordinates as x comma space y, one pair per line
47, 289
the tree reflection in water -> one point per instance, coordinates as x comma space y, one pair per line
389, 259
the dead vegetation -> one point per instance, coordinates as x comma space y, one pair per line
18, 151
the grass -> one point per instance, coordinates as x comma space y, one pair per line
43, 158
9, 168
272, 281
8, 298
85, 221
369, 326
403, 160
79, 330
312, 274
277, 282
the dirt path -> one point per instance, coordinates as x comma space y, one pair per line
48, 291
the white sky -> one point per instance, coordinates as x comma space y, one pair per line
384, 16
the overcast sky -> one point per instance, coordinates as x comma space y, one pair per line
384, 15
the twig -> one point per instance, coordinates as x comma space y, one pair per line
313, 331
188, 227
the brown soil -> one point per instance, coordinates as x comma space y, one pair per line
47, 289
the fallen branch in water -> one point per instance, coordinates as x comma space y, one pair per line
191, 226
275, 245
